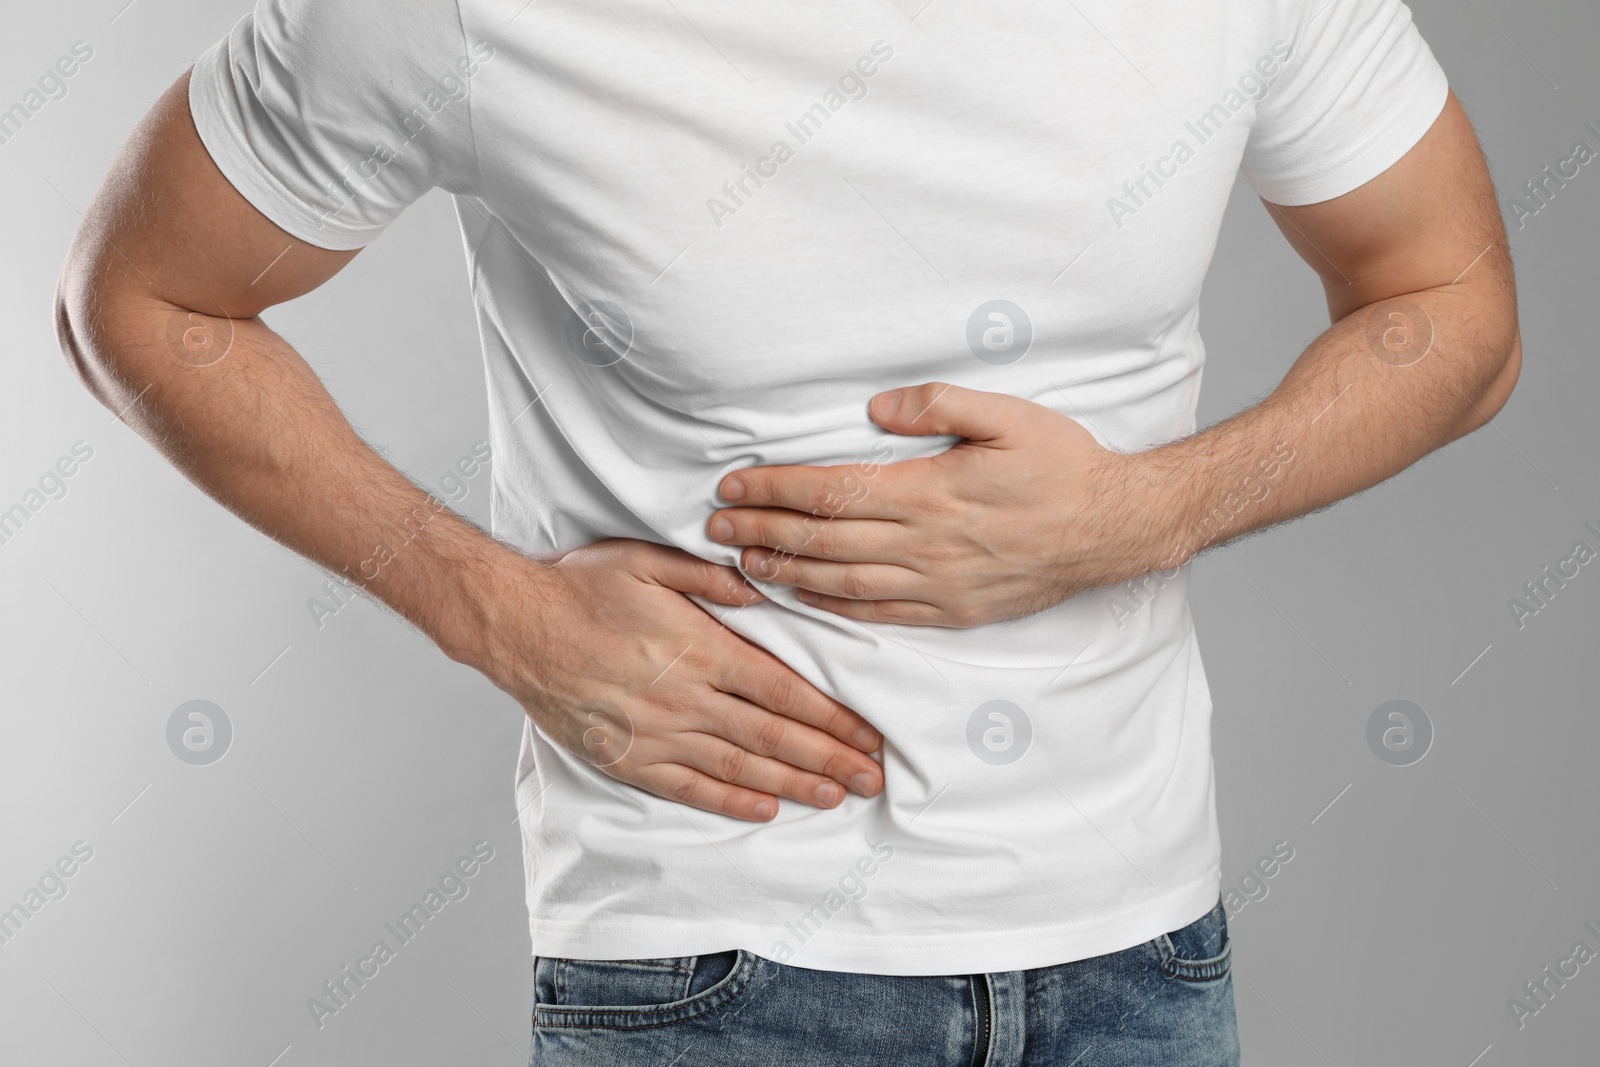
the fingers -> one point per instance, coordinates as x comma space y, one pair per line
899, 612
735, 765
852, 540
851, 581
860, 491
816, 758
678, 570
673, 781
755, 757
762, 679
725, 727
938, 408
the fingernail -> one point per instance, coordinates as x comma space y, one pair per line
721, 529
765, 809
863, 783
886, 404
866, 738
733, 489
808, 597
829, 793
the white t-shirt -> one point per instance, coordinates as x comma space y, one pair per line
700, 240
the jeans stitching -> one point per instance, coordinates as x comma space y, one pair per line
1208, 970
599, 1017
685, 966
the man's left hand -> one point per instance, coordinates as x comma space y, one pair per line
1026, 511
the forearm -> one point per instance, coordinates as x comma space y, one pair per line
1353, 411
242, 415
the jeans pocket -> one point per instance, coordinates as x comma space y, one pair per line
1199, 952
633, 994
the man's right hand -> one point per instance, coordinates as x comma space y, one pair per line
615, 664
158, 311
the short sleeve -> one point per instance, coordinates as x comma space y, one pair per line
331, 116
1357, 90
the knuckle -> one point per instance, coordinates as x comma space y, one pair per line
890, 611
836, 719
926, 502
698, 660
753, 528
853, 585
783, 693
732, 764
678, 709
823, 540
940, 506
828, 502
769, 739
915, 498
883, 611
792, 783
686, 790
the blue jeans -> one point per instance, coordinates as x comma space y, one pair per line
1167, 1002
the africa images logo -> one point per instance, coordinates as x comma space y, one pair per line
999, 732
199, 732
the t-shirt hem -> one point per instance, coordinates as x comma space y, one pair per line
932, 952
1418, 114
210, 89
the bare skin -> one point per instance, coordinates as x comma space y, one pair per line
158, 311
1030, 510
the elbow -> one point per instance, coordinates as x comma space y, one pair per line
1494, 395
1505, 380
69, 339
71, 311
78, 303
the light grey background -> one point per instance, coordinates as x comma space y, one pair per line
219, 898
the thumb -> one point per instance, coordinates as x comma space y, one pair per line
937, 408
678, 570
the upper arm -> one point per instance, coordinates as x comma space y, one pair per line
166, 227
1420, 224
263, 170
1369, 167
1365, 159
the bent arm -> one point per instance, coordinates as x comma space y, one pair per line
1423, 349
603, 649
157, 310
